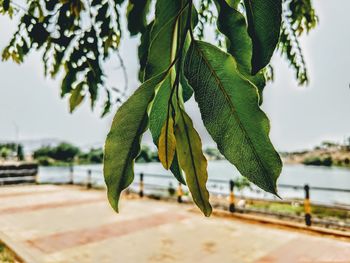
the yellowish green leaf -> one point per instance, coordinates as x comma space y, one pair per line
167, 143
192, 160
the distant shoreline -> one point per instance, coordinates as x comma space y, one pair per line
334, 155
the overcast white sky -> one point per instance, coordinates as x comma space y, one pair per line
301, 117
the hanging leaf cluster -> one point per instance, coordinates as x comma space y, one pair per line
298, 17
226, 85
76, 37
176, 63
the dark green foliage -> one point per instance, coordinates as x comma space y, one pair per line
319, 161
11, 146
4, 153
78, 36
45, 161
264, 25
63, 152
299, 17
60, 29
13, 150
136, 15
147, 155
6, 7
94, 156
233, 25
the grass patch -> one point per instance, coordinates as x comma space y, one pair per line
290, 209
6, 255
297, 208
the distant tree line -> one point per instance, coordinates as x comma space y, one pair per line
66, 153
328, 153
10, 151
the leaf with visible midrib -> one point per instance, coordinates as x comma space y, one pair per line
123, 141
157, 119
232, 115
264, 25
233, 25
167, 143
192, 160
162, 51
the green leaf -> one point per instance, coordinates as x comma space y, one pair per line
264, 25
233, 25
76, 97
259, 81
6, 5
232, 115
108, 104
161, 53
68, 80
185, 87
143, 50
162, 50
167, 143
158, 117
233, 3
192, 160
137, 16
123, 141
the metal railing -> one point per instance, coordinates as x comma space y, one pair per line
17, 174
141, 185
148, 183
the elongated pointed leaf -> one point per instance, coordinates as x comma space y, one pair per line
186, 89
192, 160
233, 25
167, 143
162, 51
163, 45
137, 15
143, 50
158, 117
264, 25
123, 141
232, 115
76, 97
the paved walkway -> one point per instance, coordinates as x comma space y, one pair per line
70, 224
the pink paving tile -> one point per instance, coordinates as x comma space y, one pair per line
34, 192
69, 239
307, 250
30, 208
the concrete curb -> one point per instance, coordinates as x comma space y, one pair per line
19, 251
283, 224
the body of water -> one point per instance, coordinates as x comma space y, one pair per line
298, 175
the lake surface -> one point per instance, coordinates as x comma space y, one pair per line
299, 175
